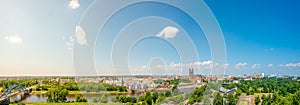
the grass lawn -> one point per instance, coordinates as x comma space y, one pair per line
74, 103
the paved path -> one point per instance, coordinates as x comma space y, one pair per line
244, 97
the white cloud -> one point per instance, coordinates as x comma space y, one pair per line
205, 64
176, 65
14, 39
80, 36
168, 32
144, 67
256, 66
241, 65
74, 4
293, 65
290, 65
270, 65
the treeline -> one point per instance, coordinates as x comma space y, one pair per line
57, 94
24, 82
283, 86
282, 91
97, 87
276, 99
197, 95
83, 86
147, 99
230, 99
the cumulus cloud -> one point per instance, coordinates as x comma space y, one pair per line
175, 65
14, 39
256, 66
241, 65
144, 67
292, 65
270, 65
205, 64
74, 4
80, 36
168, 32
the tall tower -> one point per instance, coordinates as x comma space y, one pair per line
122, 82
191, 72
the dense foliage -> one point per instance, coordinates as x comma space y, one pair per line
197, 95
148, 98
277, 99
283, 86
57, 94
79, 98
82, 86
23, 82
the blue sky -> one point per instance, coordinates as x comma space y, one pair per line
263, 32
261, 36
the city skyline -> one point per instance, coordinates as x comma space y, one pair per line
37, 39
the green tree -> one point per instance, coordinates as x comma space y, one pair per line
131, 99
257, 100
57, 94
122, 99
103, 98
168, 93
148, 98
160, 98
238, 92
154, 96
296, 98
191, 100
218, 100
231, 99
77, 98
141, 98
